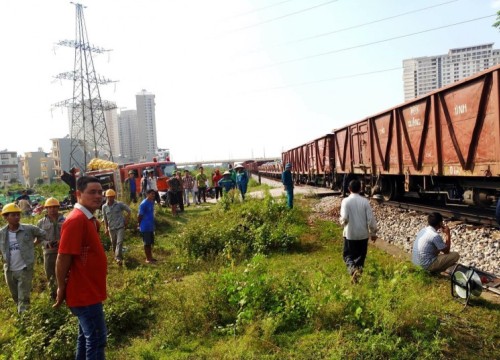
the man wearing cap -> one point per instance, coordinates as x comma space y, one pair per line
81, 269
241, 180
115, 223
286, 179
51, 223
226, 183
131, 186
17, 244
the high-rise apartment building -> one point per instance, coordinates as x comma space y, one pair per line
146, 131
425, 74
129, 141
112, 127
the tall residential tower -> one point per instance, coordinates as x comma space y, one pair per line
424, 74
146, 131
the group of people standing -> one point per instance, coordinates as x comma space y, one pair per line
74, 260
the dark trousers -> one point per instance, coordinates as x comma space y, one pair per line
180, 199
202, 192
218, 192
355, 253
92, 332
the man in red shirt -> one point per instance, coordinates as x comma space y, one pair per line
81, 270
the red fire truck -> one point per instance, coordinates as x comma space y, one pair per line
163, 170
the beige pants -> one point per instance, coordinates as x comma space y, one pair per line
19, 283
443, 262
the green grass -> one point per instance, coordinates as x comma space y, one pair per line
243, 296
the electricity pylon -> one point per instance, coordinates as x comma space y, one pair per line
88, 132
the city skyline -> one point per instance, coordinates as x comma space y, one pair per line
231, 79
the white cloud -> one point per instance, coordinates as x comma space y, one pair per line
495, 4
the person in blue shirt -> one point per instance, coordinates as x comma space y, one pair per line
226, 183
146, 221
131, 186
430, 243
286, 179
241, 180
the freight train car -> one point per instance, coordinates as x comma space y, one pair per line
312, 162
272, 169
444, 145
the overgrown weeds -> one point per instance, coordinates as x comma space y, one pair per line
253, 280
238, 232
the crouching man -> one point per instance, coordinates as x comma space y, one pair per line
429, 243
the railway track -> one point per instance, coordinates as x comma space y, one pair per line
464, 214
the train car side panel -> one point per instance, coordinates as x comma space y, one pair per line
384, 145
469, 120
418, 137
342, 151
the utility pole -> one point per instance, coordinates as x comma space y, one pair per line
88, 132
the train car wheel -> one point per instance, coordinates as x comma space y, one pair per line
387, 191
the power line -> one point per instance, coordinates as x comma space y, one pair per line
278, 18
358, 46
255, 10
349, 27
321, 80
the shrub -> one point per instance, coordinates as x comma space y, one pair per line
252, 295
240, 230
45, 332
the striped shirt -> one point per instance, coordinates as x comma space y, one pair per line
427, 246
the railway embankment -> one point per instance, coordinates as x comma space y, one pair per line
478, 246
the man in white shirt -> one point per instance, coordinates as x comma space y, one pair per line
356, 216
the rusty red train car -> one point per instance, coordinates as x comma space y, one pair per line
312, 162
445, 144
272, 169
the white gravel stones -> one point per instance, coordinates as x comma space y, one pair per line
477, 245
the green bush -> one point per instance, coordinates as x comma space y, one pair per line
253, 295
45, 333
240, 230
126, 313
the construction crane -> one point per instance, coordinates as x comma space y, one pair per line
88, 132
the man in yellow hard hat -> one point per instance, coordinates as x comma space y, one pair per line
17, 244
115, 223
51, 224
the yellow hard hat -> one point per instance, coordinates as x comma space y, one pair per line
110, 192
11, 208
51, 202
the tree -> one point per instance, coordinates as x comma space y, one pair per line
497, 23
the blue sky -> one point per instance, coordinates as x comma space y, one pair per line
232, 78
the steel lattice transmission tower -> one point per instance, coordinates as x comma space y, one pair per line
88, 132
